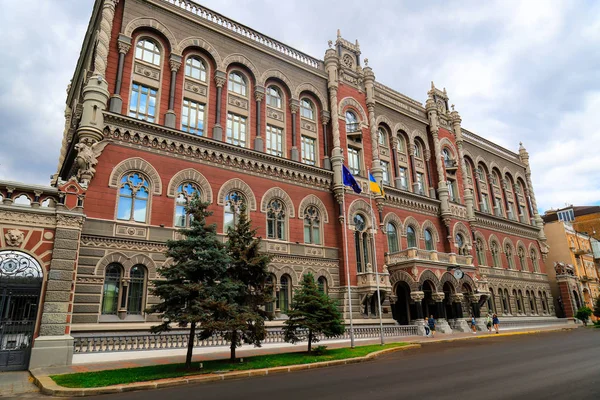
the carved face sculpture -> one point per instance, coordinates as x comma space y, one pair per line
14, 237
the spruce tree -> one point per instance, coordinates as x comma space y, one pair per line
190, 286
312, 313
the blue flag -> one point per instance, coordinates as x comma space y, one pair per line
349, 180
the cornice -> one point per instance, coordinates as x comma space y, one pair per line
139, 134
122, 244
492, 222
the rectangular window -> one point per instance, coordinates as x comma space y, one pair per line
498, 207
386, 172
420, 183
274, 141
236, 129
511, 210
192, 117
451, 190
309, 151
403, 178
143, 102
485, 203
354, 160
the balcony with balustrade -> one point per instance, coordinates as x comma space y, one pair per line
413, 256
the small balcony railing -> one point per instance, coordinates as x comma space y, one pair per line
412, 254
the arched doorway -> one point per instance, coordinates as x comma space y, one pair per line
402, 309
21, 279
467, 291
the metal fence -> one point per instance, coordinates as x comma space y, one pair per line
149, 341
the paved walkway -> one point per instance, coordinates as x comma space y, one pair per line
16, 382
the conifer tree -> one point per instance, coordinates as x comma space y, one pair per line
312, 313
190, 286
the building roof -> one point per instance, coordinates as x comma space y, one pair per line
552, 215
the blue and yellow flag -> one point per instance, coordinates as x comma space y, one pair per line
374, 186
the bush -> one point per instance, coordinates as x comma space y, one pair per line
584, 314
320, 350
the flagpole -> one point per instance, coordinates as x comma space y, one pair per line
375, 262
346, 257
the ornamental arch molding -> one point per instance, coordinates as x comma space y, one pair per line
468, 280
312, 200
411, 221
393, 218
459, 227
403, 276
20, 264
280, 271
445, 142
421, 135
351, 102
327, 275
310, 88
479, 235
110, 258
242, 60
277, 193
136, 164
241, 186
509, 242
190, 175
277, 74
480, 161
144, 22
382, 119
427, 275
142, 259
448, 277
520, 244
401, 127
429, 225
201, 43
361, 206
494, 238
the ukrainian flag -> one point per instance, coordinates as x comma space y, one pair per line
374, 186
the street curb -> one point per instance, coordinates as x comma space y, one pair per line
49, 387
486, 335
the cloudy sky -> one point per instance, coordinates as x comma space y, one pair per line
517, 71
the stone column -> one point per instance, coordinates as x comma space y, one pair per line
397, 181
259, 95
325, 118
104, 34
468, 187
442, 324
460, 324
495, 205
337, 157
54, 345
509, 211
294, 107
369, 80
116, 102
524, 156
432, 114
418, 297
170, 117
429, 178
413, 163
220, 79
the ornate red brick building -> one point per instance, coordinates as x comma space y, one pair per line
170, 98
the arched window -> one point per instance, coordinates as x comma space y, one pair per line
545, 305
509, 256
418, 150
307, 109
274, 97
284, 294
276, 220
534, 261
480, 249
185, 193
322, 284
401, 145
522, 259
195, 68
112, 286
237, 83
135, 298
233, 204
460, 243
382, 137
429, 240
518, 301
22, 200
351, 122
361, 242
133, 198
480, 174
147, 50
490, 301
392, 238
411, 236
312, 225
495, 250
448, 162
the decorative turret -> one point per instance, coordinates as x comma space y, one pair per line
337, 157
537, 219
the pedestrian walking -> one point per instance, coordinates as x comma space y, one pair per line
495, 321
431, 323
426, 326
473, 324
488, 322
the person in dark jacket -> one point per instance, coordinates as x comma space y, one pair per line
431, 323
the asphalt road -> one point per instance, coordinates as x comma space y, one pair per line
558, 365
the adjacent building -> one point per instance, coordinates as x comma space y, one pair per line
170, 99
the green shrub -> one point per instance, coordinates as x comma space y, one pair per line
320, 350
584, 314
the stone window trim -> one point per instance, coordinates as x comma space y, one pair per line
312, 200
124, 281
411, 221
160, 50
427, 224
136, 164
193, 176
278, 193
188, 191
188, 65
127, 262
351, 104
236, 184
134, 197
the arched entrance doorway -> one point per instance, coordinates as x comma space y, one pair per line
21, 279
429, 304
402, 309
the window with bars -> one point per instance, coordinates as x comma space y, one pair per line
142, 104
192, 117
147, 50
236, 129
195, 68
274, 140
309, 147
119, 295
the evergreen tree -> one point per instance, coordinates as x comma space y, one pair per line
242, 316
312, 313
190, 287
597, 307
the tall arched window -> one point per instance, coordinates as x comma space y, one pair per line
545, 305
509, 256
351, 122
382, 137
322, 284
448, 162
276, 220
195, 68
411, 236
518, 301
135, 298
507, 308
185, 193
522, 259
233, 204
307, 109
429, 240
133, 198
461, 245
361, 242
392, 238
418, 150
495, 250
480, 249
312, 225
534, 261
147, 50
274, 97
284, 293
237, 83
112, 286
490, 301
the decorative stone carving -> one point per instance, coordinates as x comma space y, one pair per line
237, 102
86, 160
146, 71
14, 237
194, 88
417, 296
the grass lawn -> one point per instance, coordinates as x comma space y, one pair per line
153, 372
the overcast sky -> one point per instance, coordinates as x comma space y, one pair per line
517, 71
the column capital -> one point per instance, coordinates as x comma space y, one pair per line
259, 93
220, 78
417, 295
457, 297
325, 117
124, 43
294, 105
438, 297
175, 62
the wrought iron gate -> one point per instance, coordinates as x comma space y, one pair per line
20, 285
